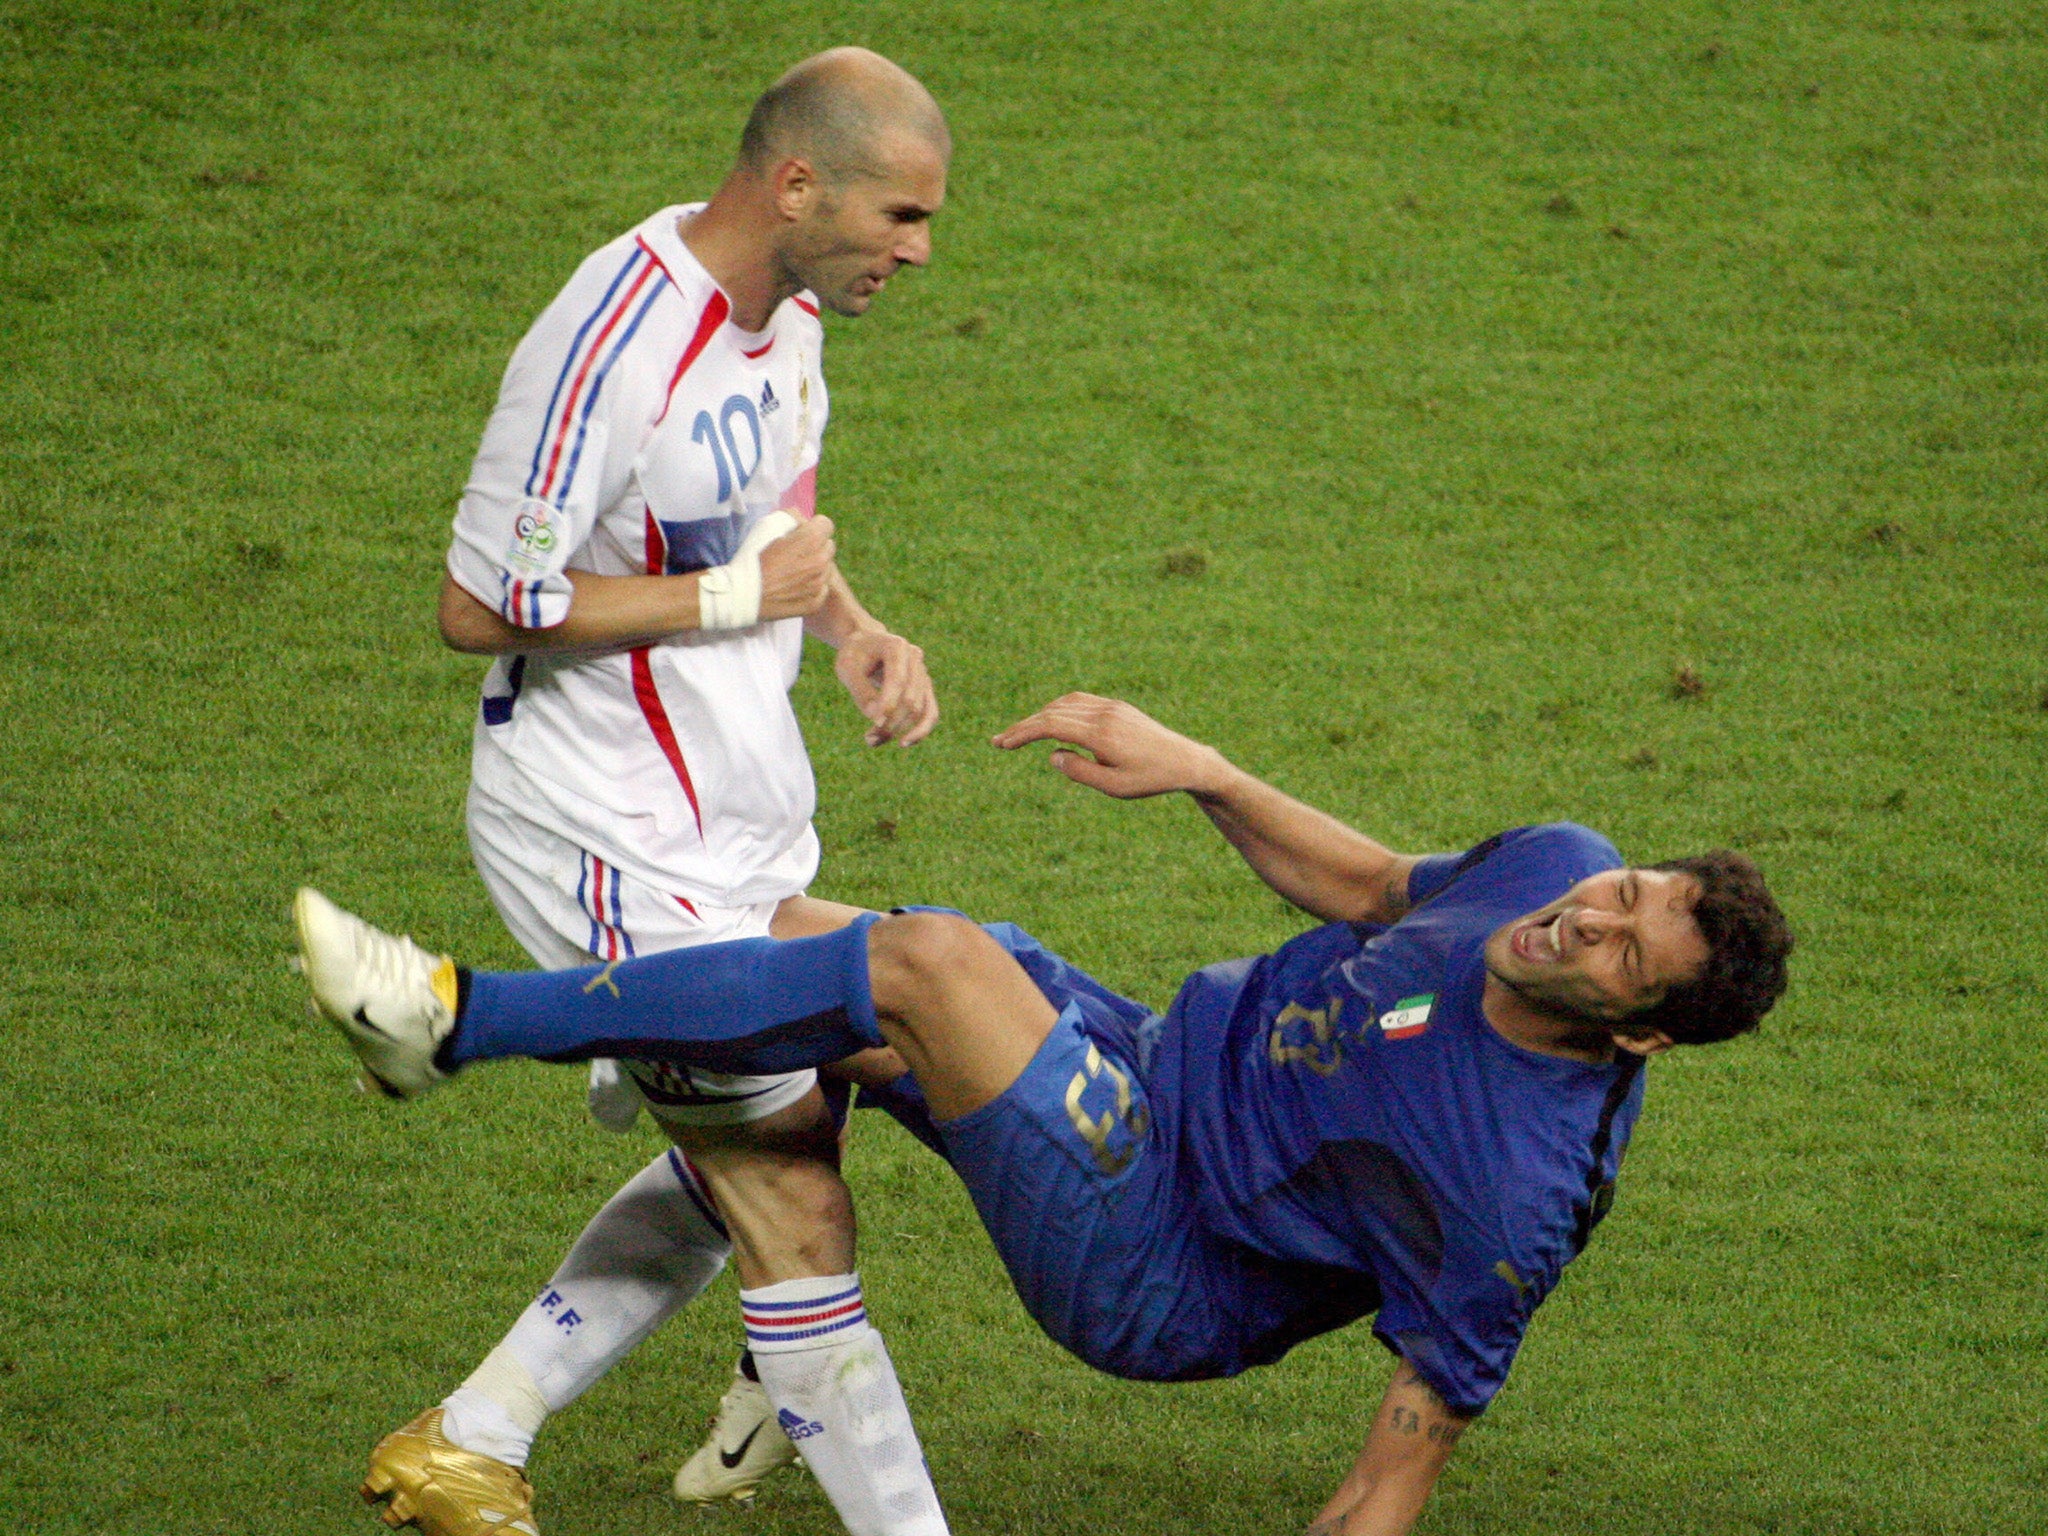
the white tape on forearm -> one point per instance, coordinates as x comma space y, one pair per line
729, 595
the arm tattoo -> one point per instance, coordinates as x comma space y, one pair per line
1395, 896
1410, 1377
1444, 1431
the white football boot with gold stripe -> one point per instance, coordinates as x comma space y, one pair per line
425, 1479
745, 1445
392, 1001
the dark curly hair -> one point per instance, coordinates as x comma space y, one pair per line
1748, 940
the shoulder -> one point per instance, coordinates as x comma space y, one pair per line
1520, 864
1566, 842
624, 305
1548, 848
624, 264
800, 320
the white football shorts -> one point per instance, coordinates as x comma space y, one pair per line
568, 907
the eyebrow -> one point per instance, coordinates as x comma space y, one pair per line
1632, 950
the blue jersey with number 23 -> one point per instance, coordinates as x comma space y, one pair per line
1347, 1116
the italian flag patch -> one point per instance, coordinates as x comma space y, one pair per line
1408, 1017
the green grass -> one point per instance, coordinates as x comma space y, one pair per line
1395, 395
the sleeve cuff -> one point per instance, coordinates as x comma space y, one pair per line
530, 602
1425, 1357
1430, 874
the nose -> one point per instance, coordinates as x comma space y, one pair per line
915, 248
1590, 925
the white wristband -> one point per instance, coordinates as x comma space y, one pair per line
729, 595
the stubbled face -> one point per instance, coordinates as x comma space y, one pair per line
854, 236
1610, 947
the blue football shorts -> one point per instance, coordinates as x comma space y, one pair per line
1073, 1173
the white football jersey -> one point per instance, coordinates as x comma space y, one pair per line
639, 432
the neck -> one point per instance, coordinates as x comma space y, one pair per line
1542, 1030
733, 241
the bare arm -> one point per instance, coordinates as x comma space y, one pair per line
884, 672
1312, 859
797, 579
1412, 1438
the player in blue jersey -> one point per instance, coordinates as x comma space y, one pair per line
1416, 1111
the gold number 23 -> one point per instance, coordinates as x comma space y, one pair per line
1096, 1132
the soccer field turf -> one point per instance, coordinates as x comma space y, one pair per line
1460, 414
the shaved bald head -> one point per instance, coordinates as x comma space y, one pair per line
841, 168
836, 110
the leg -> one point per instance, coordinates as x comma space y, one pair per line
823, 1367
968, 1010
746, 1443
959, 1008
791, 1219
789, 1215
650, 1251
455, 1469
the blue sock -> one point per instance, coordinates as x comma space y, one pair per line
751, 1007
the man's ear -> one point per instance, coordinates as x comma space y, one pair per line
795, 186
1650, 1042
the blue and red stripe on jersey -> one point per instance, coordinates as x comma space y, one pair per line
633, 291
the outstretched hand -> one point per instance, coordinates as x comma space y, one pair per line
1123, 751
886, 675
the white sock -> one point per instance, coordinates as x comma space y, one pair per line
836, 1395
653, 1249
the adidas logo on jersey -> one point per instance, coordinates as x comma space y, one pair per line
797, 1427
769, 404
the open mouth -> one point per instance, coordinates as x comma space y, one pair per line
1541, 943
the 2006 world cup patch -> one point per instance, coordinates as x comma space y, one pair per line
1408, 1017
535, 532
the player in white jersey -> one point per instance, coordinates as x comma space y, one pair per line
638, 547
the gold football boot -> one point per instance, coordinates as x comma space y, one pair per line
435, 1484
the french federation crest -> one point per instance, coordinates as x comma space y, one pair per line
1407, 1018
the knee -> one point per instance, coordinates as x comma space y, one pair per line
913, 956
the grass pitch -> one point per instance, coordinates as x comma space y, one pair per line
1461, 415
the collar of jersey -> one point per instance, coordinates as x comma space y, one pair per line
665, 239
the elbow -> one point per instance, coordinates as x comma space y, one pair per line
1382, 894
467, 625
459, 638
